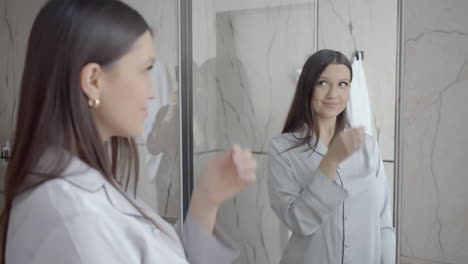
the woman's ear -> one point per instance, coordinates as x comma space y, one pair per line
92, 80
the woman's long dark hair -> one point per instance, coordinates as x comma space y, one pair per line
53, 110
301, 112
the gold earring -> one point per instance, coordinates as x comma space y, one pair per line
94, 103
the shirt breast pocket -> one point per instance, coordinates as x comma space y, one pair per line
305, 167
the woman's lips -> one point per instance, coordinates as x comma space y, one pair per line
331, 105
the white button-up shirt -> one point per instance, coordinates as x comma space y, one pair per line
81, 218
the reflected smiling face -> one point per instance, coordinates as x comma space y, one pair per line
331, 93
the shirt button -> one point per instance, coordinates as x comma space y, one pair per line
346, 218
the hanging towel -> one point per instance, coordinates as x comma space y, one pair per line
162, 90
359, 107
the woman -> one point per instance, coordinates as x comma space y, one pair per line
83, 97
327, 182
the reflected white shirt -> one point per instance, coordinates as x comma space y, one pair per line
347, 220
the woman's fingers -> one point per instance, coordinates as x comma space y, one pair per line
245, 164
357, 138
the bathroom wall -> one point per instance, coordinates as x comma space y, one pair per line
16, 18
434, 213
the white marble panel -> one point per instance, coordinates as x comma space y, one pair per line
435, 207
16, 18
258, 52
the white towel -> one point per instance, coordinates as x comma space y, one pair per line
359, 107
162, 88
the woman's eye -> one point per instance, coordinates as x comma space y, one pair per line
322, 83
343, 84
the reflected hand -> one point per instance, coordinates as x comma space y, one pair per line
173, 104
345, 143
226, 175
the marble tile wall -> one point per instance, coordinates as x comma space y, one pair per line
15, 24
434, 168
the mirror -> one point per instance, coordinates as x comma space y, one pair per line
246, 57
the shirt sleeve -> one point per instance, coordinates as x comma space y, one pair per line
387, 231
204, 248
